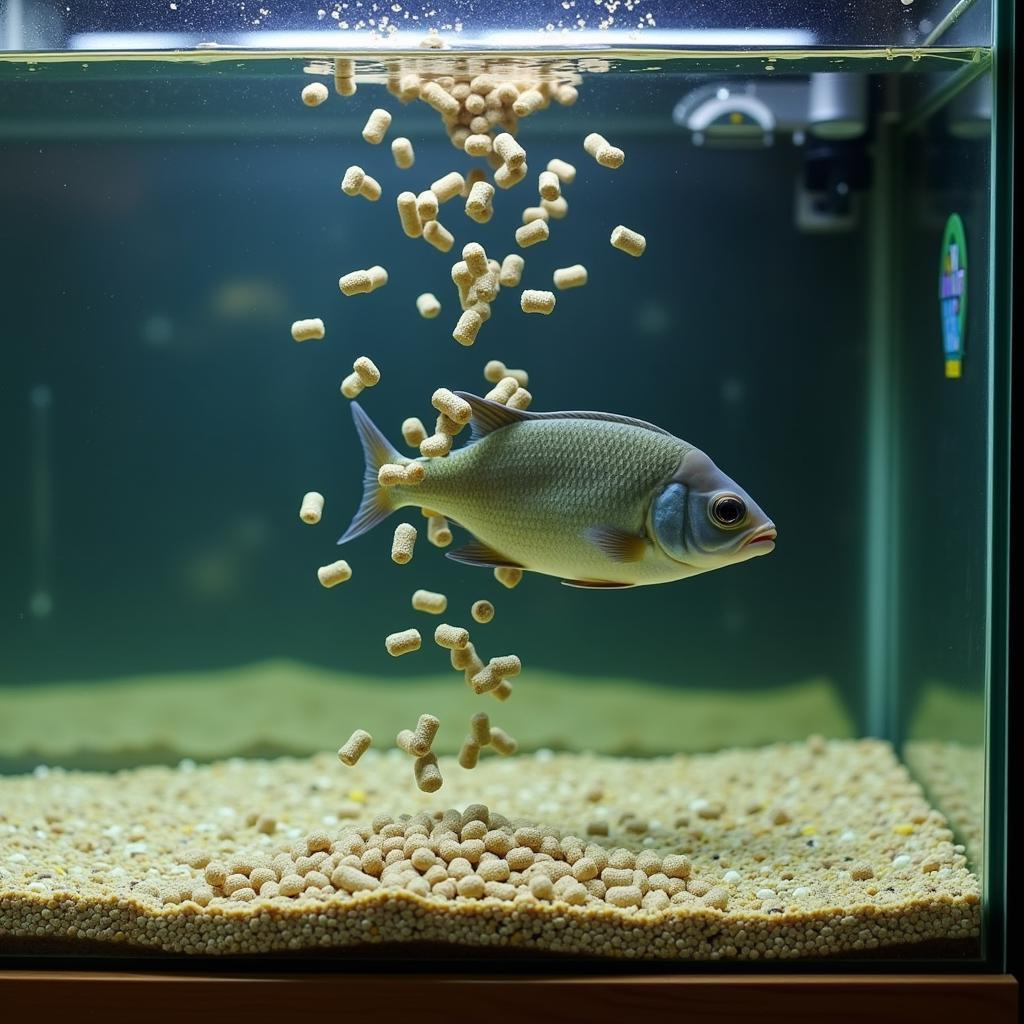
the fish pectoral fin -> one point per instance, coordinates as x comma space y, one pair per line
597, 584
478, 553
617, 544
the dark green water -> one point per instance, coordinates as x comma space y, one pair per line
166, 220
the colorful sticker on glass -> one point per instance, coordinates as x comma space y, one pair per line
953, 293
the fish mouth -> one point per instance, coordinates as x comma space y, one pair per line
763, 541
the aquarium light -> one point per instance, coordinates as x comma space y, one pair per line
318, 41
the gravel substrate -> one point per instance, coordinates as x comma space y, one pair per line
796, 850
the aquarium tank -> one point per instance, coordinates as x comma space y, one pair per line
524, 483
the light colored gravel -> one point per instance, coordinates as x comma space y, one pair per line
834, 847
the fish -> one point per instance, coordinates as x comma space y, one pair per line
599, 500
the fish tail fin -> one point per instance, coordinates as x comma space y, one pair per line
377, 503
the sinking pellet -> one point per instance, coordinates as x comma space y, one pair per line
531, 233
469, 753
506, 176
503, 390
565, 171
448, 187
468, 327
508, 576
556, 208
451, 637
357, 182
335, 573
504, 744
510, 152
482, 611
407, 215
391, 474
376, 127
495, 370
438, 531
438, 235
480, 728
430, 602
314, 94
533, 301
312, 507
436, 446
511, 270
413, 431
549, 185
628, 241
427, 305
402, 151
403, 543
352, 386
426, 206
570, 277
404, 642
520, 399
366, 371
308, 330
427, 774
603, 151
354, 747
479, 202
451, 405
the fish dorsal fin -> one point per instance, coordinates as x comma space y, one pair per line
618, 545
489, 416
478, 553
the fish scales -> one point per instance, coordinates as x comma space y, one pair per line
531, 489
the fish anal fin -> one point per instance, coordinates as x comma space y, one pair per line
596, 585
478, 553
618, 545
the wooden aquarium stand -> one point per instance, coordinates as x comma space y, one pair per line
156, 997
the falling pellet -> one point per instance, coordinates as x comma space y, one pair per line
413, 431
403, 543
308, 330
427, 305
335, 573
402, 151
430, 602
603, 152
354, 747
312, 508
438, 235
628, 241
438, 531
314, 94
407, 215
404, 642
532, 301
570, 277
508, 576
377, 125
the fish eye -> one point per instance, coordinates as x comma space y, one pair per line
727, 511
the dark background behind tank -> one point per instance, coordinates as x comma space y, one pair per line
186, 424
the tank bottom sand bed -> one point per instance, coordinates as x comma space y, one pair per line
799, 850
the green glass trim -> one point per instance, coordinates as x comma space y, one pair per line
995, 920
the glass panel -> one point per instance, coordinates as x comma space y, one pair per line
171, 671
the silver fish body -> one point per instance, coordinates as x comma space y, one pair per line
596, 499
